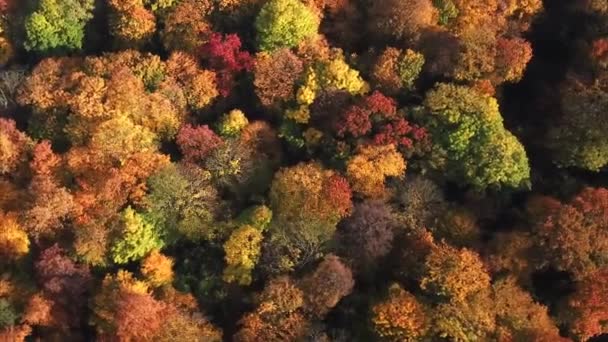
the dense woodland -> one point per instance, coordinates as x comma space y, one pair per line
304, 170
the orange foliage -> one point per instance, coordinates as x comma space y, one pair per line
368, 169
400, 317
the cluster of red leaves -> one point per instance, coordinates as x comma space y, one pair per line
196, 142
599, 50
380, 112
357, 119
224, 55
400, 133
339, 193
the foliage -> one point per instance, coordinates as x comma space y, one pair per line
157, 268
14, 242
137, 238
242, 252
57, 25
284, 23
275, 76
467, 127
586, 309
572, 236
232, 123
401, 20
368, 169
400, 317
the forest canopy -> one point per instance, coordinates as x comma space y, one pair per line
304, 170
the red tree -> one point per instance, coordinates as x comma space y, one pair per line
224, 54
197, 142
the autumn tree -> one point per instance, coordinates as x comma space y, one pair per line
14, 242
572, 236
284, 23
454, 273
224, 55
182, 203
157, 268
421, 202
369, 168
131, 24
467, 130
232, 123
400, 317
136, 238
518, 316
326, 286
66, 282
14, 145
197, 142
585, 310
242, 251
401, 20
186, 25
57, 25
275, 76
277, 316
367, 235
124, 309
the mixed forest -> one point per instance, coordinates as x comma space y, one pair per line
304, 170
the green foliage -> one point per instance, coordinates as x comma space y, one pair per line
410, 67
57, 25
284, 23
447, 11
467, 128
232, 123
182, 202
8, 315
136, 239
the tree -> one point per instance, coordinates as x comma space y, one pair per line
13, 146
275, 76
466, 127
183, 203
284, 23
276, 318
242, 251
38, 311
136, 238
401, 20
57, 25
367, 235
519, 315
197, 142
308, 193
575, 138
586, 310
232, 123
326, 286
224, 55
186, 25
199, 86
572, 236
368, 169
454, 274
14, 242
66, 282
400, 317
131, 23
421, 203
157, 269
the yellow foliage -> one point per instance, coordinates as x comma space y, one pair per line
242, 252
157, 268
14, 242
299, 115
399, 318
368, 169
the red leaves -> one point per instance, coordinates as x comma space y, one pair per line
377, 114
224, 55
196, 142
339, 194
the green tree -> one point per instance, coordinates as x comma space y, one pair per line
284, 23
57, 25
136, 239
468, 134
